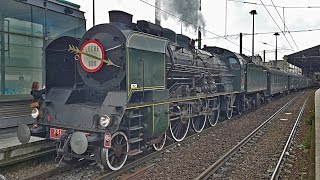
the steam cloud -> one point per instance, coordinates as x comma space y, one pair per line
187, 10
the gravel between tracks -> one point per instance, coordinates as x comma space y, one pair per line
258, 160
26, 169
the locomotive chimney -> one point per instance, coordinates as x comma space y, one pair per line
120, 17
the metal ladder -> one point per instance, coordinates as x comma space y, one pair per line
134, 132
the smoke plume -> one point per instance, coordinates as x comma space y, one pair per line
187, 10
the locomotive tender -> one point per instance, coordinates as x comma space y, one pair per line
120, 88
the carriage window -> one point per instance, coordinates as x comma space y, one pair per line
234, 63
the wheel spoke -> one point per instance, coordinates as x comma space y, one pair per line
111, 154
180, 126
176, 123
112, 159
177, 129
123, 145
116, 163
121, 140
117, 139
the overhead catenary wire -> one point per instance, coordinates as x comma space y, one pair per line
272, 50
265, 33
285, 25
175, 16
274, 46
289, 7
277, 25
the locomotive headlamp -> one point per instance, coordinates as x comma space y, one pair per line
105, 121
35, 113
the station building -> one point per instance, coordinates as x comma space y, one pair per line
309, 61
26, 29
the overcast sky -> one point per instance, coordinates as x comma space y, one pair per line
238, 20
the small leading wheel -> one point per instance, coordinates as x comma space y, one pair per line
199, 121
213, 105
116, 156
158, 146
179, 122
229, 109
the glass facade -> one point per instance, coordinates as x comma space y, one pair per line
25, 31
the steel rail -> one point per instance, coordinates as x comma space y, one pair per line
276, 171
214, 167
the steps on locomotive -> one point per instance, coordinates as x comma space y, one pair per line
135, 116
135, 131
133, 128
135, 140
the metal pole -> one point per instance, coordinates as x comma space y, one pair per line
241, 43
94, 23
253, 12
276, 63
276, 55
199, 38
225, 19
199, 32
252, 38
264, 56
2, 53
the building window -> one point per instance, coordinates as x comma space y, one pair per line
25, 31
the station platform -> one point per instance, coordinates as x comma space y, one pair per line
317, 135
14, 112
12, 151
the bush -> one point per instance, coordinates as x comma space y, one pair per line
310, 118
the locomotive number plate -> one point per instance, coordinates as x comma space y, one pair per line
107, 140
56, 133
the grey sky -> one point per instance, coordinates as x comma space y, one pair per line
238, 20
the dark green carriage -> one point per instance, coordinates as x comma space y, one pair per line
278, 81
294, 81
256, 78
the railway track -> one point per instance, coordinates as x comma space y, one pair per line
281, 161
140, 165
209, 173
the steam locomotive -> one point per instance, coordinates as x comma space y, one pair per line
123, 86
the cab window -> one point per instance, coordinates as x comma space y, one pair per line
234, 63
